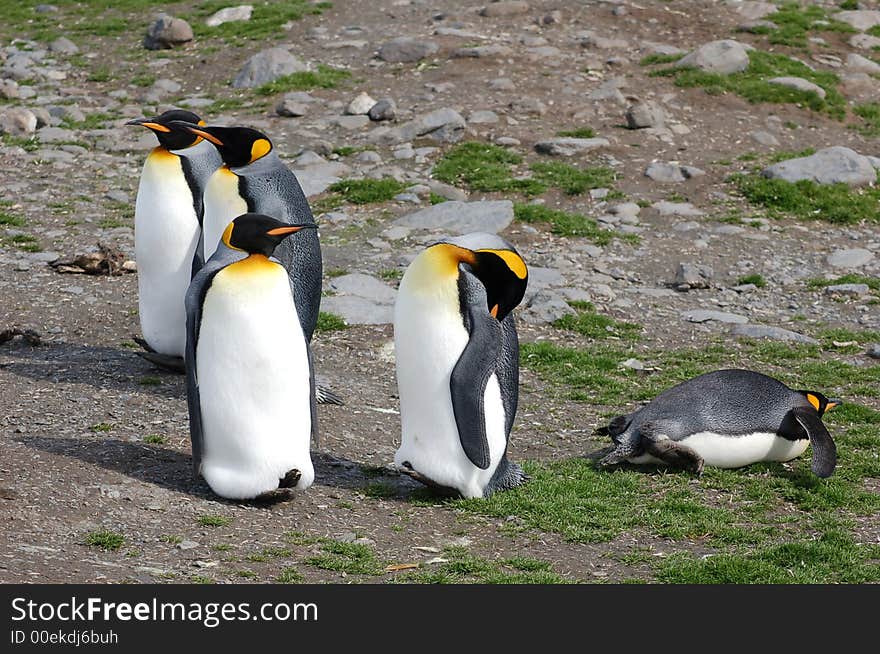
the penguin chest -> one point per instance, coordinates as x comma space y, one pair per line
734, 451
222, 204
429, 337
166, 235
253, 373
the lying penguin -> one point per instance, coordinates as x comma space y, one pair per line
726, 419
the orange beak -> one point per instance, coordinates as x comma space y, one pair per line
284, 231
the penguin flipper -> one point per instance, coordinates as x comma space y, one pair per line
313, 400
675, 454
805, 422
473, 369
617, 426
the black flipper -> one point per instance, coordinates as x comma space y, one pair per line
473, 369
164, 361
675, 454
313, 400
805, 422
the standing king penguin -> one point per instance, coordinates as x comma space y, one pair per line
254, 179
250, 379
458, 364
727, 419
167, 229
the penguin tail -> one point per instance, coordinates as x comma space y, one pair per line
324, 395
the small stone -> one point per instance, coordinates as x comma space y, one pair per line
230, 14
357, 310
384, 109
9, 89
405, 49
502, 84
862, 20
723, 57
167, 32
504, 8
361, 105
63, 45
187, 545
873, 351
364, 286
482, 52
676, 208
851, 290
764, 138
266, 66
693, 275
850, 258
799, 84
644, 114
568, 146
527, 106
462, 217
860, 64
545, 307
482, 117
291, 109
771, 333
633, 364
18, 121
705, 315
671, 172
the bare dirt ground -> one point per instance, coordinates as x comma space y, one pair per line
75, 410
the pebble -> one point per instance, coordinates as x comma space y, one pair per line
851, 290
771, 333
360, 105
723, 57
482, 52
645, 114
357, 310
482, 117
364, 286
693, 275
799, 84
167, 32
666, 208
568, 146
850, 258
461, 217
671, 172
444, 125
406, 49
502, 84
266, 66
384, 109
63, 45
229, 15
705, 315
873, 351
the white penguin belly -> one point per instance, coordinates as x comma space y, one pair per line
725, 451
222, 204
166, 232
428, 340
253, 376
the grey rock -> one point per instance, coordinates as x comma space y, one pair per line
608, 91
266, 66
873, 351
482, 117
384, 109
652, 47
568, 146
633, 364
444, 125
167, 32
462, 217
850, 258
859, 86
187, 545
482, 52
705, 315
317, 178
504, 8
645, 114
117, 195
364, 286
724, 57
528, 106
9, 89
56, 134
771, 333
291, 108
18, 121
693, 275
406, 49
63, 45
865, 41
357, 310
799, 84
43, 116
360, 105
368, 157
827, 166
591, 39
502, 84
851, 290
447, 191
764, 138
671, 172
755, 10
861, 19
860, 64
45, 8
350, 122
229, 15
545, 307
676, 208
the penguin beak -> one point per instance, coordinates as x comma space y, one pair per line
832, 402
290, 229
146, 122
200, 132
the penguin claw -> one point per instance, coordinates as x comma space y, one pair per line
290, 479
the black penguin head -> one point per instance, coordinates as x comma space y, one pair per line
820, 402
166, 127
256, 233
497, 265
238, 146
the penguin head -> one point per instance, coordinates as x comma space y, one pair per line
167, 129
492, 260
256, 233
820, 402
238, 146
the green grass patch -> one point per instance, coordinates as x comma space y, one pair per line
211, 520
795, 22
462, 567
570, 179
834, 203
785, 155
150, 381
391, 274
105, 539
870, 114
325, 77
223, 105
367, 191
564, 223
754, 278
484, 167
380, 490
26, 143
657, 58
435, 198
25, 242
266, 23
329, 322
171, 539
851, 278
752, 83
144, 80
350, 558
588, 322
155, 439
290, 575
96, 120
11, 220
578, 133
102, 74
101, 427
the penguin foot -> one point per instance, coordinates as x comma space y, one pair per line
324, 395
142, 343
164, 361
407, 469
290, 479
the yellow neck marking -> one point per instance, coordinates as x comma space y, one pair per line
445, 257
254, 264
513, 261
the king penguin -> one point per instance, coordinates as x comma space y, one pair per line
254, 179
167, 226
726, 419
250, 379
457, 357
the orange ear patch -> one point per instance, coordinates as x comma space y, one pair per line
814, 401
260, 148
494, 311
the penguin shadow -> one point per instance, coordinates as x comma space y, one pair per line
98, 366
373, 481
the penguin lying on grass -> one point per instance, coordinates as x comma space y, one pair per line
458, 364
726, 419
167, 229
250, 378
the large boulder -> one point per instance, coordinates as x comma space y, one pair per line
724, 57
267, 66
832, 165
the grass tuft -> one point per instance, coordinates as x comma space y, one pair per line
109, 541
350, 558
210, 520
754, 278
587, 322
329, 322
367, 191
325, 77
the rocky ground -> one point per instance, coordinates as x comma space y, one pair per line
95, 482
